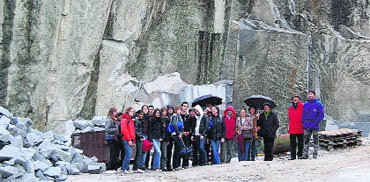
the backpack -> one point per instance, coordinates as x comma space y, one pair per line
120, 135
170, 128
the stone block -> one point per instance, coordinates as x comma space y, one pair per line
39, 165
5, 136
8, 171
48, 135
54, 172
17, 141
33, 139
5, 112
8, 152
99, 121
74, 171
4, 121
81, 124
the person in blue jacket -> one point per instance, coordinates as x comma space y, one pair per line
312, 115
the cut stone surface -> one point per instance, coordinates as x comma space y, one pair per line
38, 165
54, 172
17, 141
4, 121
81, 124
33, 139
99, 120
5, 112
8, 171
8, 152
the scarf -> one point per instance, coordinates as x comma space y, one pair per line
267, 114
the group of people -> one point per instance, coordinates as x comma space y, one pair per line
209, 133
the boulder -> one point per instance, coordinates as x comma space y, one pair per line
62, 177
99, 120
5, 112
33, 139
81, 124
94, 168
73, 170
8, 171
5, 136
4, 121
54, 172
8, 152
26, 178
96, 129
49, 135
38, 165
17, 141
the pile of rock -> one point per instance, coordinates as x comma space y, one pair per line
29, 155
95, 125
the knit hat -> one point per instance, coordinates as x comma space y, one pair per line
296, 95
169, 106
266, 103
314, 93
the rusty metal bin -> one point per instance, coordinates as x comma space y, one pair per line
94, 144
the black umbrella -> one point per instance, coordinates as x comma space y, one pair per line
207, 99
258, 100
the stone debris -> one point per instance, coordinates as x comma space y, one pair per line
95, 125
27, 154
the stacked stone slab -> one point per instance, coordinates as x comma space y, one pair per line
30, 155
85, 126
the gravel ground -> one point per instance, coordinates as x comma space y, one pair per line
351, 164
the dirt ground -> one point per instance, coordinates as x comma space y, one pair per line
351, 164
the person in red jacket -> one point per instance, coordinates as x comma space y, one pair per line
229, 118
128, 139
296, 127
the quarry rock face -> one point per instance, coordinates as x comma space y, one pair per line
67, 60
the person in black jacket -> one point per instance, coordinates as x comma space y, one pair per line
111, 132
156, 135
186, 133
267, 125
177, 137
216, 134
170, 142
164, 143
139, 141
199, 156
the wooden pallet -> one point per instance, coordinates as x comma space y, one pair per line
340, 138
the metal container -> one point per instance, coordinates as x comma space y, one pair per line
94, 144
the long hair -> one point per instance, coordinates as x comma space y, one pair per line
162, 110
127, 110
147, 107
110, 113
154, 112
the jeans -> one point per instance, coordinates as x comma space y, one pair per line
126, 158
293, 145
163, 154
215, 148
203, 152
268, 147
245, 156
139, 154
143, 158
307, 137
157, 154
113, 154
226, 150
253, 152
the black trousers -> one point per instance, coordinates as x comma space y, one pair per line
185, 159
176, 156
196, 151
139, 154
169, 153
268, 147
113, 163
293, 145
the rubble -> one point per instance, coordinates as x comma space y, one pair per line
27, 154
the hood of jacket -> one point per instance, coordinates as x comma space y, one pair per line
197, 107
230, 108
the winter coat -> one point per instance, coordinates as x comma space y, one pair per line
313, 114
111, 128
127, 128
174, 118
195, 126
230, 123
218, 130
268, 125
247, 124
191, 122
295, 119
139, 128
157, 130
145, 125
